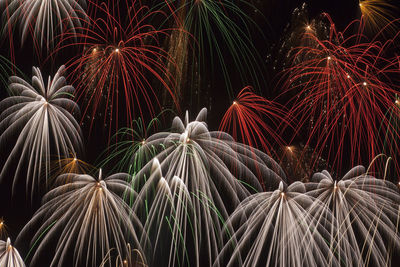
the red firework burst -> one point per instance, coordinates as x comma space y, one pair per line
343, 89
255, 121
120, 60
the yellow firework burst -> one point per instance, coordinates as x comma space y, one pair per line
378, 15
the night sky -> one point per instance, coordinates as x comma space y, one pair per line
272, 20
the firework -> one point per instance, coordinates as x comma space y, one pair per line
87, 217
45, 20
134, 259
9, 256
214, 26
343, 91
298, 162
71, 165
293, 37
205, 175
360, 214
116, 64
351, 222
378, 15
3, 229
275, 229
254, 120
7, 68
120, 156
172, 230
391, 139
41, 118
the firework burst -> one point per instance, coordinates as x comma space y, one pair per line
360, 214
85, 217
45, 20
121, 154
254, 121
41, 117
214, 26
205, 175
275, 229
118, 58
9, 256
343, 91
379, 15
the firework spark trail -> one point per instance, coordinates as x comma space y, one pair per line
254, 121
169, 219
344, 90
206, 173
379, 16
9, 256
41, 118
360, 212
71, 165
274, 229
121, 155
86, 216
7, 69
350, 222
3, 229
117, 59
391, 140
134, 259
214, 25
45, 20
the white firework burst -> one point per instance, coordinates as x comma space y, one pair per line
275, 229
84, 218
360, 213
206, 175
9, 256
45, 19
41, 118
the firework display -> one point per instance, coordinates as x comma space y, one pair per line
196, 177
9, 256
119, 55
343, 90
199, 133
209, 30
41, 117
87, 215
44, 20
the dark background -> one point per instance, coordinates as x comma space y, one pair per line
272, 17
